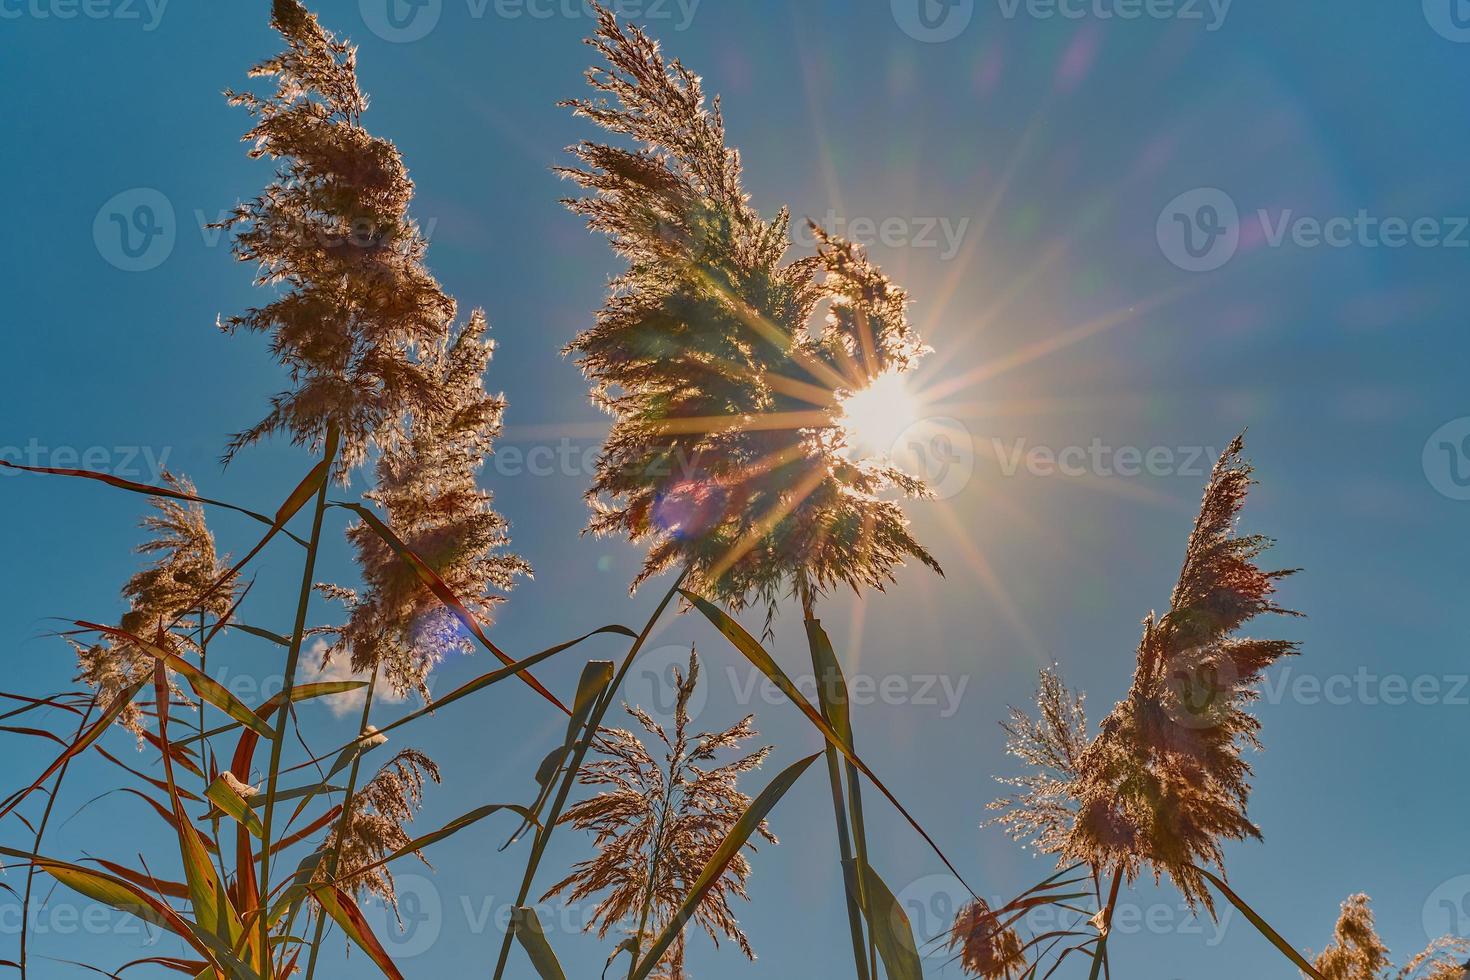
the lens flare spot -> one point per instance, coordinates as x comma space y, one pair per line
689, 508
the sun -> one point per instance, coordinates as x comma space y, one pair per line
873, 419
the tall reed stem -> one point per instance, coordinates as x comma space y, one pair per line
658, 851
594, 725
1100, 957
851, 875
335, 858
293, 658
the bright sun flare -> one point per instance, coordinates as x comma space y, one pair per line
874, 418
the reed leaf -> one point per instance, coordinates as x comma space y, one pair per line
532, 938
734, 842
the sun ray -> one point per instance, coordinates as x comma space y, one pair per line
1056, 342
980, 565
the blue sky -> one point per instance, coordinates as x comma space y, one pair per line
1130, 231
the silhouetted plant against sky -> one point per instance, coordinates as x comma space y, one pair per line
1164, 784
426, 487
333, 234
657, 822
185, 568
1357, 953
374, 827
986, 948
724, 454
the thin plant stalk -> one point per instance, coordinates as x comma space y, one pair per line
293, 657
543, 833
851, 873
25, 905
1100, 955
594, 725
658, 850
205, 758
335, 858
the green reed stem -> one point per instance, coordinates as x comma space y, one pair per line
283, 714
851, 872
594, 725
335, 858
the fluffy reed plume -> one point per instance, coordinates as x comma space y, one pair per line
657, 823
185, 568
375, 827
427, 491
1164, 783
333, 230
986, 948
723, 454
1358, 954
1043, 810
